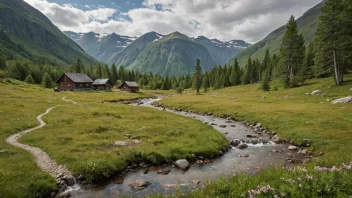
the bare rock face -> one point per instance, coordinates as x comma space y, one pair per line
345, 100
139, 184
317, 93
182, 164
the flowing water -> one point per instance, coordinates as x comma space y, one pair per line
261, 156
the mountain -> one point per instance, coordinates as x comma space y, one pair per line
307, 25
174, 54
101, 46
222, 51
25, 33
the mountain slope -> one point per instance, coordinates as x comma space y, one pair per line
221, 51
27, 34
173, 55
307, 25
100, 46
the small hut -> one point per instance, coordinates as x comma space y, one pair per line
102, 84
129, 86
74, 82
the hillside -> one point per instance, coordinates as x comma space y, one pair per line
25, 33
101, 46
222, 51
174, 55
307, 25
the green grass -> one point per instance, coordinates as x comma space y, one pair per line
82, 135
328, 126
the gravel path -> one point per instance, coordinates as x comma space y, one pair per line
42, 159
67, 100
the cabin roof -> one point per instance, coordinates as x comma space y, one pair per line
77, 77
131, 84
102, 81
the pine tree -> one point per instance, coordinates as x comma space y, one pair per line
197, 81
113, 73
47, 81
292, 53
121, 73
308, 63
99, 72
265, 81
79, 68
29, 79
333, 38
205, 84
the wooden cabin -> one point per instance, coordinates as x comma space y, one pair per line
129, 86
74, 82
102, 84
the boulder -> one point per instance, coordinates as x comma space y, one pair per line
293, 148
254, 142
163, 172
242, 146
139, 184
317, 93
222, 126
70, 180
345, 100
235, 142
182, 164
302, 152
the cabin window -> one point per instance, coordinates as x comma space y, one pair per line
69, 85
87, 85
80, 85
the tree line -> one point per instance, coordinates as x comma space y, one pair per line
330, 54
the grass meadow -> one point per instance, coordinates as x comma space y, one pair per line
82, 135
295, 116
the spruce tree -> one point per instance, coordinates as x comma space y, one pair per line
99, 71
47, 81
2, 62
29, 79
292, 53
78, 67
265, 81
334, 38
197, 81
113, 73
121, 73
205, 84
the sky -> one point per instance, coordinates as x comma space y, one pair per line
249, 20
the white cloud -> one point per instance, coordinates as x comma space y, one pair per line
250, 20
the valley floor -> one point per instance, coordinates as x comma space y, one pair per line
83, 132
83, 136
293, 115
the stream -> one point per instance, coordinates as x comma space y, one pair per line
260, 156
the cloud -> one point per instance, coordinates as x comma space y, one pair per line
250, 20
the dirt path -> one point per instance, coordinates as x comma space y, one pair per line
42, 159
67, 100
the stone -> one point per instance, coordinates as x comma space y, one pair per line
118, 180
70, 180
52, 194
242, 146
302, 152
64, 195
235, 142
182, 164
213, 124
254, 142
81, 177
233, 125
308, 94
277, 139
317, 93
196, 182
345, 100
292, 148
139, 184
146, 171
252, 136
170, 185
222, 126
121, 143
163, 172
287, 96
244, 155
221, 153
259, 125
263, 98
